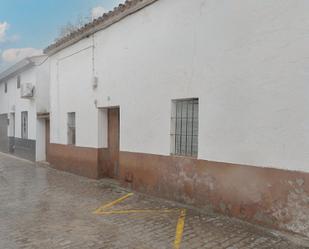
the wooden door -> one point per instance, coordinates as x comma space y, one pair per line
113, 141
47, 138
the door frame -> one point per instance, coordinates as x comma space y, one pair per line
47, 138
42, 137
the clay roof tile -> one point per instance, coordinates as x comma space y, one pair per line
113, 16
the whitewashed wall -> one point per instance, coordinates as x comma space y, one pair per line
11, 102
246, 61
42, 92
71, 91
40, 145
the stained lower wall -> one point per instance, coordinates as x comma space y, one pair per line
89, 162
24, 148
4, 140
270, 197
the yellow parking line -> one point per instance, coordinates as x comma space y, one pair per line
102, 208
179, 228
180, 223
137, 211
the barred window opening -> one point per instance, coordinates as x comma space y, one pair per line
24, 125
184, 130
71, 128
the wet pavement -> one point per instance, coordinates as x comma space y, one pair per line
44, 208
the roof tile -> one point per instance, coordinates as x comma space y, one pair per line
107, 18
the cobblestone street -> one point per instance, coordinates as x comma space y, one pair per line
45, 208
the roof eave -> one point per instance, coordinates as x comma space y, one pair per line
15, 69
53, 49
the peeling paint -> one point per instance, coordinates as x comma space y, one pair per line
270, 197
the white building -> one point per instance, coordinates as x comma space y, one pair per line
24, 100
239, 69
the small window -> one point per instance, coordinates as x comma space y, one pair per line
12, 125
18, 81
184, 127
24, 125
71, 128
5, 87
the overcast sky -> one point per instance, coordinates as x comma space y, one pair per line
28, 26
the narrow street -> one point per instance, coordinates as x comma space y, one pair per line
44, 208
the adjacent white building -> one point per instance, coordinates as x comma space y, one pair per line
24, 100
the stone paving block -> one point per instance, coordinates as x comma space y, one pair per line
44, 208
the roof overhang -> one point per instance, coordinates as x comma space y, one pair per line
22, 66
15, 69
108, 19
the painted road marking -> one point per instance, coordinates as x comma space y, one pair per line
180, 228
132, 211
113, 203
180, 224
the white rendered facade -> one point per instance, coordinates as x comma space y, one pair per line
12, 104
246, 62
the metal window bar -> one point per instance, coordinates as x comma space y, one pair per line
24, 125
175, 130
187, 129
192, 126
180, 142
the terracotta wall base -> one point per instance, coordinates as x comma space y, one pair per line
88, 162
271, 197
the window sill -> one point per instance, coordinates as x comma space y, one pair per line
181, 156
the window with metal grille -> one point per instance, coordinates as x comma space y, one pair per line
24, 125
184, 127
18, 81
71, 128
